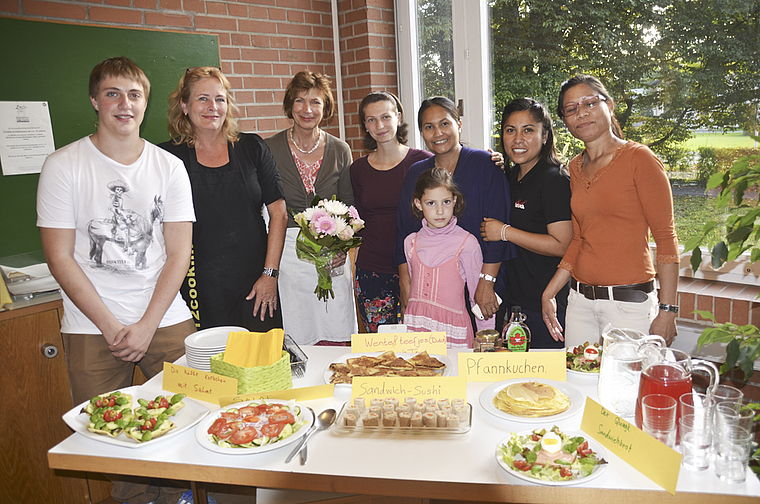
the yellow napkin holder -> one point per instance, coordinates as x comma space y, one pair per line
251, 380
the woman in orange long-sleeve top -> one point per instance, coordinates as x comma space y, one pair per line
620, 192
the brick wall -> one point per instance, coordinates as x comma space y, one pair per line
728, 302
262, 44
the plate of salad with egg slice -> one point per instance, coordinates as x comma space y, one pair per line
551, 457
584, 359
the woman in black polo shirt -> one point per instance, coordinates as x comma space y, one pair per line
540, 221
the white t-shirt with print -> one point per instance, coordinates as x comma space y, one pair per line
118, 213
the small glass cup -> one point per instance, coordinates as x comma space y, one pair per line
729, 417
732, 449
700, 406
722, 393
696, 439
659, 417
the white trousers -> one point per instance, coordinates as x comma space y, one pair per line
304, 317
585, 318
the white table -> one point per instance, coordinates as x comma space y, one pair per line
455, 467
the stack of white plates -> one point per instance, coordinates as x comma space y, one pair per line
202, 345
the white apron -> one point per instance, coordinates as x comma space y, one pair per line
304, 317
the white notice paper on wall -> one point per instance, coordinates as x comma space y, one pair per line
26, 136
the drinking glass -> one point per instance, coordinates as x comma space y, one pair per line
659, 417
729, 417
700, 406
732, 450
723, 393
696, 439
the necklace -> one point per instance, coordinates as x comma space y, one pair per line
450, 172
290, 132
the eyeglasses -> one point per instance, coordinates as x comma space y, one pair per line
586, 103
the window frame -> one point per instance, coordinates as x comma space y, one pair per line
472, 83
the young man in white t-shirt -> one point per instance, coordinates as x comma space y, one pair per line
115, 214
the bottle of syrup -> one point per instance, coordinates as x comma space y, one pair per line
516, 335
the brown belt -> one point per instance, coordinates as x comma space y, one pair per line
636, 293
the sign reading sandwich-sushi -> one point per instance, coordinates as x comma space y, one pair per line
401, 387
498, 366
412, 342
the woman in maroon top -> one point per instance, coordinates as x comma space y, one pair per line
376, 180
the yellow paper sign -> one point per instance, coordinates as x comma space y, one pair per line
412, 342
498, 366
197, 384
298, 394
632, 445
441, 387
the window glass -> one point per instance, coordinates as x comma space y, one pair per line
436, 48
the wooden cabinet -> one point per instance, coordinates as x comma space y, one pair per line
34, 395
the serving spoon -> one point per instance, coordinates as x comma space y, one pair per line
324, 420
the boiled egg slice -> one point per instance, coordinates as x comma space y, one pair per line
551, 443
591, 353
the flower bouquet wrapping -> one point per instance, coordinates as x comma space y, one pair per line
327, 227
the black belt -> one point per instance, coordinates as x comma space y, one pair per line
636, 293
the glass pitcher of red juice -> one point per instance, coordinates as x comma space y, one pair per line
668, 371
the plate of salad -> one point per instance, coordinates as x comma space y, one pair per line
551, 457
253, 426
584, 360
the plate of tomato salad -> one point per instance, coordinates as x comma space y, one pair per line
254, 426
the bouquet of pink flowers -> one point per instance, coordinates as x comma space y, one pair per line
327, 227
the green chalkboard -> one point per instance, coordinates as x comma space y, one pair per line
52, 62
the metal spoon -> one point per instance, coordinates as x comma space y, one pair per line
324, 420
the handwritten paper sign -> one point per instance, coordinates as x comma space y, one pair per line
197, 384
413, 342
297, 394
498, 366
631, 444
441, 387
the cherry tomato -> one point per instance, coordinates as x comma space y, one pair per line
217, 426
244, 436
565, 472
535, 437
149, 424
111, 415
263, 408
584, 450
272, 429
223, 429
522, 465
282, 417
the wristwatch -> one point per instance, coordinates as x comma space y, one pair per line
486, 276
271, 272
669, 308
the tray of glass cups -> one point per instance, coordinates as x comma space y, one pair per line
412, 416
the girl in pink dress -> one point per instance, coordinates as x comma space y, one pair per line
442, 257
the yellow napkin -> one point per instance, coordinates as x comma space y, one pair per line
253, 349
5, 296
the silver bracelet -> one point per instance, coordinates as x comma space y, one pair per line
503, 232
669, 308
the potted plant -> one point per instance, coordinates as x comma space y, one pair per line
742, 234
